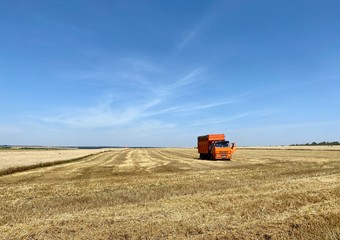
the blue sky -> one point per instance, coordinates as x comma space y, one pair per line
160, 73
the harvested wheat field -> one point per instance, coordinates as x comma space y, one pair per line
263, 193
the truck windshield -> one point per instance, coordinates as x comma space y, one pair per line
222, 144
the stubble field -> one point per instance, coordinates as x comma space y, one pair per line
168, 193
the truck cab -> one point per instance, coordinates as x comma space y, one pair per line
222, 150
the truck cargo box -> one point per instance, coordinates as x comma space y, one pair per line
204, 142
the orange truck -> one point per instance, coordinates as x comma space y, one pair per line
214, 146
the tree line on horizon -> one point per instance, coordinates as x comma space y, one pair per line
318, 144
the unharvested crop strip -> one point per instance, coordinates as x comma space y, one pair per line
12, 170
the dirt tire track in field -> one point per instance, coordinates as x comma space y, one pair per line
121, 161
154, 159
127, 161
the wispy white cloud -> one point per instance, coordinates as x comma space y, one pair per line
130, 74
188, 109
157, 103
217, 121
206, 106
138, 64
125, 71
141, 92
190, 78
102, 115
189, 35
174, 87
208, 17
